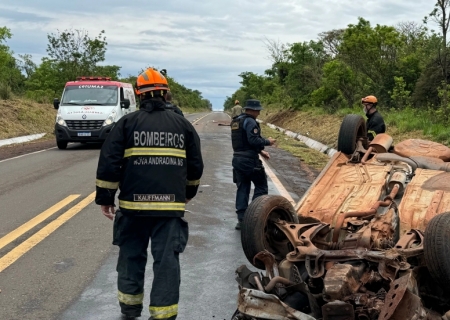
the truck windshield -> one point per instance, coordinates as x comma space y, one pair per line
90, 95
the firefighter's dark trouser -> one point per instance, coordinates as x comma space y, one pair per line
168, 238
245, 171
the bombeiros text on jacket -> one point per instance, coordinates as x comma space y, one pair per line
158, 139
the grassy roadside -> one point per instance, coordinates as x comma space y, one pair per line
192, 110
324, 127
21, 117
311, 157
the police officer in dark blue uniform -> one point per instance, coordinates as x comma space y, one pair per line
171, 106
247, 167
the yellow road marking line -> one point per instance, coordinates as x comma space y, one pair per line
28, 244
13, 235
200, 118
281, 189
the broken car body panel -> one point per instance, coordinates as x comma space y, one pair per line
358, 247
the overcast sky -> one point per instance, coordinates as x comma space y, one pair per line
204, 45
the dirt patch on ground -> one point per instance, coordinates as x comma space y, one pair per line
320, 127
16, 150
296, 176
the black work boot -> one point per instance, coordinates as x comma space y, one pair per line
130, 312
239, 225
128, 317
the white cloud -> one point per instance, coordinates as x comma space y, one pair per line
203, 45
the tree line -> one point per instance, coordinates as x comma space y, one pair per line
71, 53
406, 66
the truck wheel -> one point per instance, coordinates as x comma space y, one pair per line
436, 247
259, 232
61, 144
352, 128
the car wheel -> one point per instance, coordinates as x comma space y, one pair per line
61, 144
352, 128
259, 232
436, 247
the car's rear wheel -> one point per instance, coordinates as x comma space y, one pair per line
61, 144
259, 232
437, 247
353, 127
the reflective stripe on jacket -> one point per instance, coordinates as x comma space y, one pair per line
153, 156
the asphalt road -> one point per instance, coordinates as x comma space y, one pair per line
56, 256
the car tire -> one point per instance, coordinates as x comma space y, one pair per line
352, 128
436, 247
61, 144
259, 233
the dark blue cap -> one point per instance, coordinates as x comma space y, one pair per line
253, 104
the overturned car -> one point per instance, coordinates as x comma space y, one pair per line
370, 239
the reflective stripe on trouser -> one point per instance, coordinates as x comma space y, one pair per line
130, 299
168, 238
169, 312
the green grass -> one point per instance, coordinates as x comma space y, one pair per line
188, 110
297, 148
401, 124
23, 117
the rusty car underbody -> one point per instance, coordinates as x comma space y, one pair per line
370, 239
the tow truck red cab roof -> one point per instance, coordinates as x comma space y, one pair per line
105, 81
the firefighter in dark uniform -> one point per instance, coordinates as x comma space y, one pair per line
153, 156
247, 167
375, 123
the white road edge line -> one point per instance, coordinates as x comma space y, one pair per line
197, 120
21, 139
281, 189
23, 155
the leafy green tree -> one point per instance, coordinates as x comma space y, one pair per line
331, 41
111, 71
279, 55
415, 54
11, 79
182, 96
425, 92
338, 89
45, 83
305, 71
27, 65
441, 16
252, 84
76, 53
240, 95
187, 98
373, 52
72, 53
404, 66
401, 97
